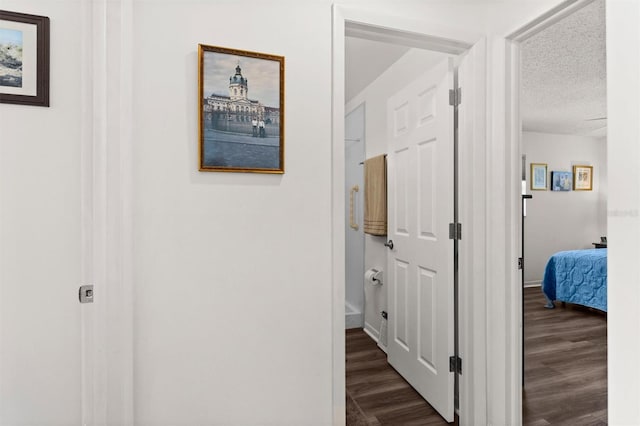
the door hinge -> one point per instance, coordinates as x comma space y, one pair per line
455, 364
521, 263
455, 97
455, 231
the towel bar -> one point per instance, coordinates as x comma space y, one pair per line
352, 222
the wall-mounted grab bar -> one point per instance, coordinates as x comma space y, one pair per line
352, 222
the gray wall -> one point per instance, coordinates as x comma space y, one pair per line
559, 220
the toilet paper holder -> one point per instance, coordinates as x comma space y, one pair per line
374, 276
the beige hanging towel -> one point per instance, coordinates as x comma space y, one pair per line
375, 195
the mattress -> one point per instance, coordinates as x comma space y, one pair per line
577, 276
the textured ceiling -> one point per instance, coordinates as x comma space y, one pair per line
564, 75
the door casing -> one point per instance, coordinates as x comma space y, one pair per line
358, 23
107, 221
513, 130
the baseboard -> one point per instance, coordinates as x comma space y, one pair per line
532, 284
375, 335
372, 332
353, 320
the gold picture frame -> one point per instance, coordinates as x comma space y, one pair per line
241, 111
582, 178
538, 177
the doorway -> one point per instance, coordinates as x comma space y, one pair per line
396, 30
561, 58
414, 84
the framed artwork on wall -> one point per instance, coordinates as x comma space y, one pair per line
538, 177
24, 59
561, 181
241, 110
582, 178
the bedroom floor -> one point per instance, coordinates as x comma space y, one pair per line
565, 364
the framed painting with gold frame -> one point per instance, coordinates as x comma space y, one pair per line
582, 178
241, 110
538, 177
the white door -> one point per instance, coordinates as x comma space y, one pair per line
40, 264
420, 264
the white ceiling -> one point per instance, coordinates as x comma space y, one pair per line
365, 60
564, 75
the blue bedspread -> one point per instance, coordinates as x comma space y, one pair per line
577, 276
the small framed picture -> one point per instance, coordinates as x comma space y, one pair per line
241, 111
561, 181
24, 59
538, 177
582, 178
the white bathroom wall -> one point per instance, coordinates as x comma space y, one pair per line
354, 142
559, 220
414, 63
40, 236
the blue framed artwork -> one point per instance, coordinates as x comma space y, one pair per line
538, 176
561, 181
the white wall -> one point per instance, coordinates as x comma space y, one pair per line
40, 237
558, 220
623, 128
411, 65
231, 326
232, 271
354, 143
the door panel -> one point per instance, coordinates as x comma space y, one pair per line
426, 175
420, 190
40, 258
401, 196
426, 317
41, 236
401, 325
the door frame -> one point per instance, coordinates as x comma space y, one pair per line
106, 325
621, 110
430, 35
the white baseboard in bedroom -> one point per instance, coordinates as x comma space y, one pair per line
528, 284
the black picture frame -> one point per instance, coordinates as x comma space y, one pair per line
41, 54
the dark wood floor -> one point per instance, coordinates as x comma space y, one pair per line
565, 364
565, 372
382, 394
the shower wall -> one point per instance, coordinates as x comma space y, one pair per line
354, 235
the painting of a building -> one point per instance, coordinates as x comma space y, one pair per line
241, 131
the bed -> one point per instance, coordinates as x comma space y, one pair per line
577, 276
